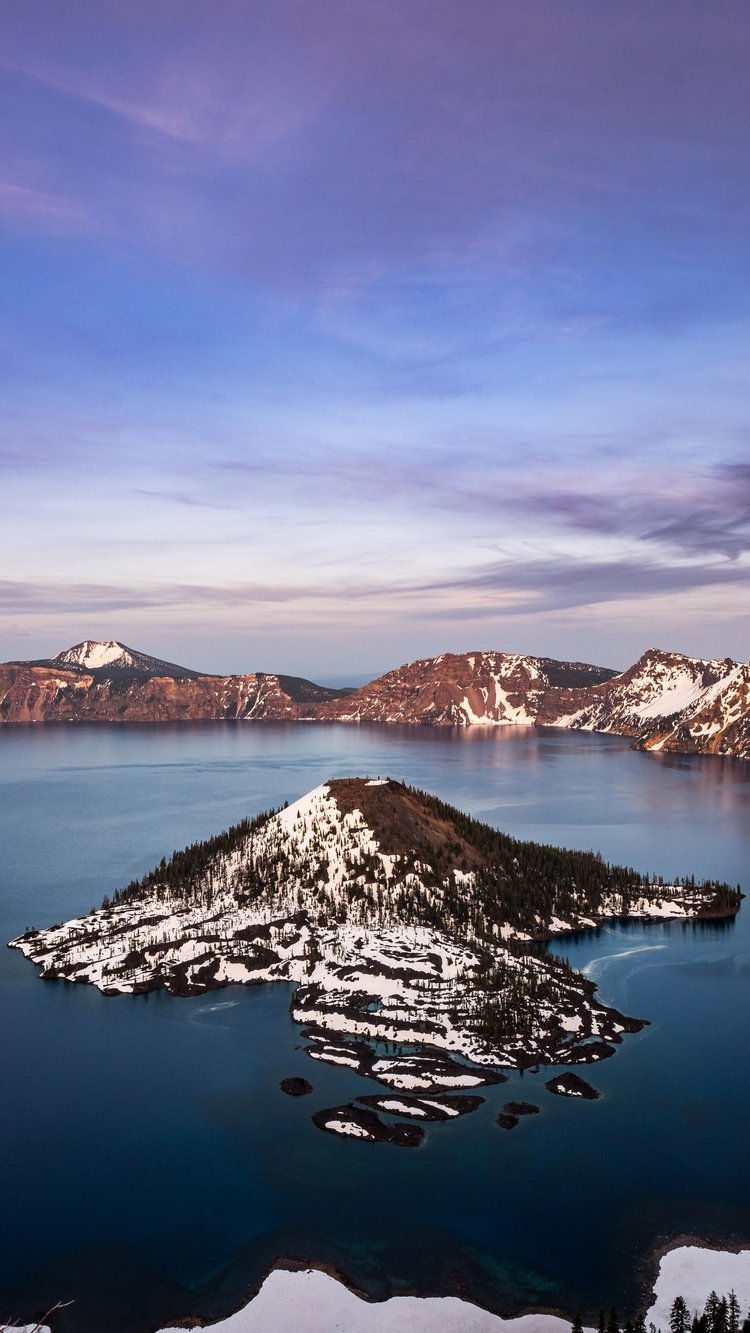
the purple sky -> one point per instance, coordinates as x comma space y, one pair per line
343, 333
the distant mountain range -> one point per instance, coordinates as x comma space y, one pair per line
665, 701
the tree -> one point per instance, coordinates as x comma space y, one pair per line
679, 1318
577, 1326
733, 1313
715, 1314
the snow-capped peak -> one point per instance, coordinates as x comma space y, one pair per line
93, 654
111, 657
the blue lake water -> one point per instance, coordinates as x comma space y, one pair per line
150, 1169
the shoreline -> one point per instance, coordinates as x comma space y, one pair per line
297, 1296
403, 1313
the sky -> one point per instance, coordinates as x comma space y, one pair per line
334, 335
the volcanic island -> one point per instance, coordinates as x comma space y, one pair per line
416, 935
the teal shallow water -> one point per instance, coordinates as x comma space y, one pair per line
149, 1166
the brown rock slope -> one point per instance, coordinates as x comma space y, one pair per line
666, 701
45, 694
458, 689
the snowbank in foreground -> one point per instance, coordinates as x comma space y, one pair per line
313, 1302
694, 1272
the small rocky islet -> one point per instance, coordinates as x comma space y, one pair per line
415, 934
296, 1087
572, 1085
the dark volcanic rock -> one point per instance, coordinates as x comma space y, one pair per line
295, 1087
436, 1071
355, 1122
521, 1108
591, 1052
426, 1110
571, 1085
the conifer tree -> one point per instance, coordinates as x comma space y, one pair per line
679, 1318
715, 1314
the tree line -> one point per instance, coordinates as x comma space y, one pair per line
721, 1314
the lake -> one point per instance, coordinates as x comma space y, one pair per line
150, 1168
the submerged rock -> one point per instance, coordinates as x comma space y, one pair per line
295, 1087
506, 1121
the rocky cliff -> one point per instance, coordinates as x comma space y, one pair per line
109, 682
666, 701
460, 689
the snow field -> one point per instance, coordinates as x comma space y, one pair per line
313, 1302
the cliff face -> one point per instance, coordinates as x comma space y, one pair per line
44, 694
468, 688
666, 701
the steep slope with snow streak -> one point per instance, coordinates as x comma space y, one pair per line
461, 689
667, 701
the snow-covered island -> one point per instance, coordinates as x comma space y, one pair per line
400, 918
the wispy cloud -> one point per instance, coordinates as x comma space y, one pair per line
87, 598
21, 202
565, 583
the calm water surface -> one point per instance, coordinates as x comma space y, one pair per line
151, 1169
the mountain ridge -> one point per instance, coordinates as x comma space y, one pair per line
665, 701
109, 657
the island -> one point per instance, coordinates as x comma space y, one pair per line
416, 935
295, 1087
572, 1085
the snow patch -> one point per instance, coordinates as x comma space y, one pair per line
313, 1302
